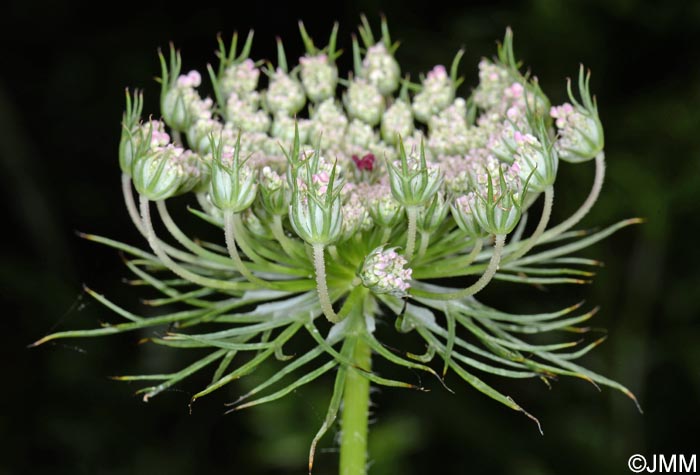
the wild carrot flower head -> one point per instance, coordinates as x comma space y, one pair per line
342, 202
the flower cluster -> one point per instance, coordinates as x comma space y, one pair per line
351, 199
385, 272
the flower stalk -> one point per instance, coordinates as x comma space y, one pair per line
354, 425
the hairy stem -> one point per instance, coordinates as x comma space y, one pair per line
322, 286
355, 419
476, 286
528, 244
586, 206
411, 213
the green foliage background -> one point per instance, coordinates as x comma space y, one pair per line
61, 96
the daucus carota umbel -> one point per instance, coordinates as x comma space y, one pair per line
341, 202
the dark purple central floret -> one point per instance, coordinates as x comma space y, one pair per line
364, 163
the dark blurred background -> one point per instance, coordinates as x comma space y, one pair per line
64, 68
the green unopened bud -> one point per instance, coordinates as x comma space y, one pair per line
498, 206
580, 131
274, 192
536, 158
255, 225
163, 173
463, 214
141, 140
207, 132
382, 206
328, 125
243, 112
316, 209
413, 180
432, 215
240, 78
283, 128
232, 185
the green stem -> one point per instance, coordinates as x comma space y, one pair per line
355, 419
291, 248
230, 238
541, 226
177, 137
411, 213
176, 268
386, 234
132, 208
322, 286
586, 206
204, 203
131, 204
424, 240
476, 286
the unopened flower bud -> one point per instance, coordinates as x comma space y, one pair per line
413, 180
165, 173
493, 79
243, 112
233, 185
202, 132
181, 105
397, 122
316, 209
283, 129
432, 215
380, 68
382, 206
139, 141
536, 158
274, 192
385, 272
364, 101
498, 206
437, 92
463, 214
285, 94
328, 125
240, 78
580, 131
319, 76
